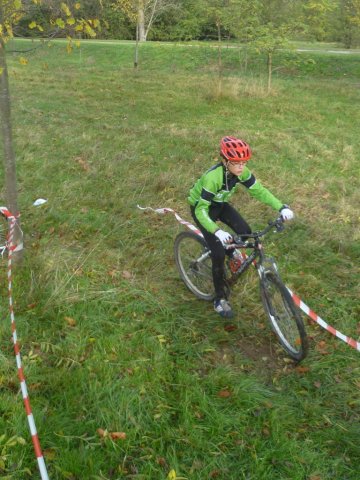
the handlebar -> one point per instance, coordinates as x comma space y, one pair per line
278, 223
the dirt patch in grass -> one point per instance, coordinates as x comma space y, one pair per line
261, 352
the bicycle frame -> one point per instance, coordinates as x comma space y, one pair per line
257, 253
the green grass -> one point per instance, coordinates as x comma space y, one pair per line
142, 355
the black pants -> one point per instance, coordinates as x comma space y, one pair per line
232, 218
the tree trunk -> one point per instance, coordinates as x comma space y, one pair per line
269, 71
8, 151
141, 21
347, 38
245, 63
219, 59
136, 56
9, 157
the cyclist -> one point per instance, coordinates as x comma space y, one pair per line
209, 202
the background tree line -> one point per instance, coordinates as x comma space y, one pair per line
242, 20
263, 25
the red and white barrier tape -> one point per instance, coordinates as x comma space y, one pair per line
162, 211
6, 213
312, 315
24, 391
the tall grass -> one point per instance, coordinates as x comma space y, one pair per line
111, 339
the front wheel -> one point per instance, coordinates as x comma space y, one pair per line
193, 260
283, 315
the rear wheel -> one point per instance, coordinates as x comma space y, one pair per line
193, 260
283, 315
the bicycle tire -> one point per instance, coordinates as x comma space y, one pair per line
197, 276
284, 317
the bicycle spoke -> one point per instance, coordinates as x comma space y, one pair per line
194, 264
285, 319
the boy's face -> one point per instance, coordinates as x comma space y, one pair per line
236, 168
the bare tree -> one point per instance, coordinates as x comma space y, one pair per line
144, 13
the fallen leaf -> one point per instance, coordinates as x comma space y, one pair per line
70, 321
161, 461
224, 394
230, 328
214, 473
83, 163
35, 386
317, 384
112, 273
49, 453
118, 435
172, 475
127, 275
321, 347
78, 271
102, 433
300, 369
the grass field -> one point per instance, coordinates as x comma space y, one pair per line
111, 339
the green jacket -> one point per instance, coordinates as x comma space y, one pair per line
217, 186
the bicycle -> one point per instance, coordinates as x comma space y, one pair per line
193, 260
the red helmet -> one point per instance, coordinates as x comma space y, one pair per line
235, 150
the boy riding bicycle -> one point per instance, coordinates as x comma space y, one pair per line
209, 202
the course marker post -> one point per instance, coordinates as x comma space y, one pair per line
34, 435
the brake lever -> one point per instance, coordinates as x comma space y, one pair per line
239, 242
279, 225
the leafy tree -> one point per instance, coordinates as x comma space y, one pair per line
217, 12
272, 26
350, 22
190, 20
244, 22
61, 19
316, 17
269, 40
